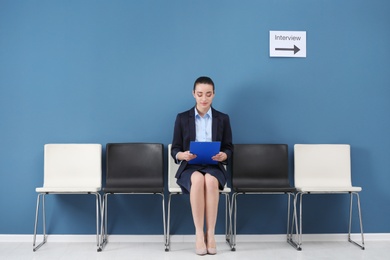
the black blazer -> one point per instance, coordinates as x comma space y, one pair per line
185, 131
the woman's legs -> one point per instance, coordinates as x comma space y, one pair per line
204, 198
197, 199
211, 202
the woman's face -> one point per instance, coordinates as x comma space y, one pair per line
203, 95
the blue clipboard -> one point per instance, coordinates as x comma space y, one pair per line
204, 151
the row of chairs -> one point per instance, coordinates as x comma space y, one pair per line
131, 168
138, 168
318, 169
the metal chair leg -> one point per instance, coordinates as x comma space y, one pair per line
167, 242
360, 221
288, 217
294, 220
98, 205
300, 220
234, 208
164, 221
103, 223
35, 248
230, 220
228, 223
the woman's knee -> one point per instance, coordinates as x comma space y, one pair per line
197, 178
211, 182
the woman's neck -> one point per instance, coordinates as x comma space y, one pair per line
203, 111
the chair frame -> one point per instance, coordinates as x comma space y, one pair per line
173, 189
299, 197
348, 190
290, 230
267, 191
58, 191
104, 213
104, 217
41, 197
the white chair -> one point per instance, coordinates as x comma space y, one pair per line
70, 169
325, 169
174, 189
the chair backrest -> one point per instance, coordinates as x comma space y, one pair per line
72, 165
322, 165
135, 165
260, 166
172, 169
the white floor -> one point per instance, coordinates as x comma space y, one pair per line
184, 250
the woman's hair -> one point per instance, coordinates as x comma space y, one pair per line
204, 80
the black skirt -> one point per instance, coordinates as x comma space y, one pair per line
184, 181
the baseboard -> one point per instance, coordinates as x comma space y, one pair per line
190, 238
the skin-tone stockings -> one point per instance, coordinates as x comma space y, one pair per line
204, 197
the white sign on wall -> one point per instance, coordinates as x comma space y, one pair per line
287, 44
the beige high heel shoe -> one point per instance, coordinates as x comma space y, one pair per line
211, 250
202, 250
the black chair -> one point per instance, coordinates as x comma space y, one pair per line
262, 169
133, 168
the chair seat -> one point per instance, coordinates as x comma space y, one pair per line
265, 189
68, 189
226, 190
174, 190
133, 190
329, 189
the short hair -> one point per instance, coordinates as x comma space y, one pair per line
204, 80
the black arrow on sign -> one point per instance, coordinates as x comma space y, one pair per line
295, 49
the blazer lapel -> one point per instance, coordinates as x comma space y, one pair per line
191, 124
214, 125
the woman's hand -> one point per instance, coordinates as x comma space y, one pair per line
186, 156
220, 157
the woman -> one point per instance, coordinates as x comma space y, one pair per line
202, 123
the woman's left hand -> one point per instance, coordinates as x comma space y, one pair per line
220, 157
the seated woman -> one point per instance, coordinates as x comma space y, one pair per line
202, 123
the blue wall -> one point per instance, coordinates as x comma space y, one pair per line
120, 71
